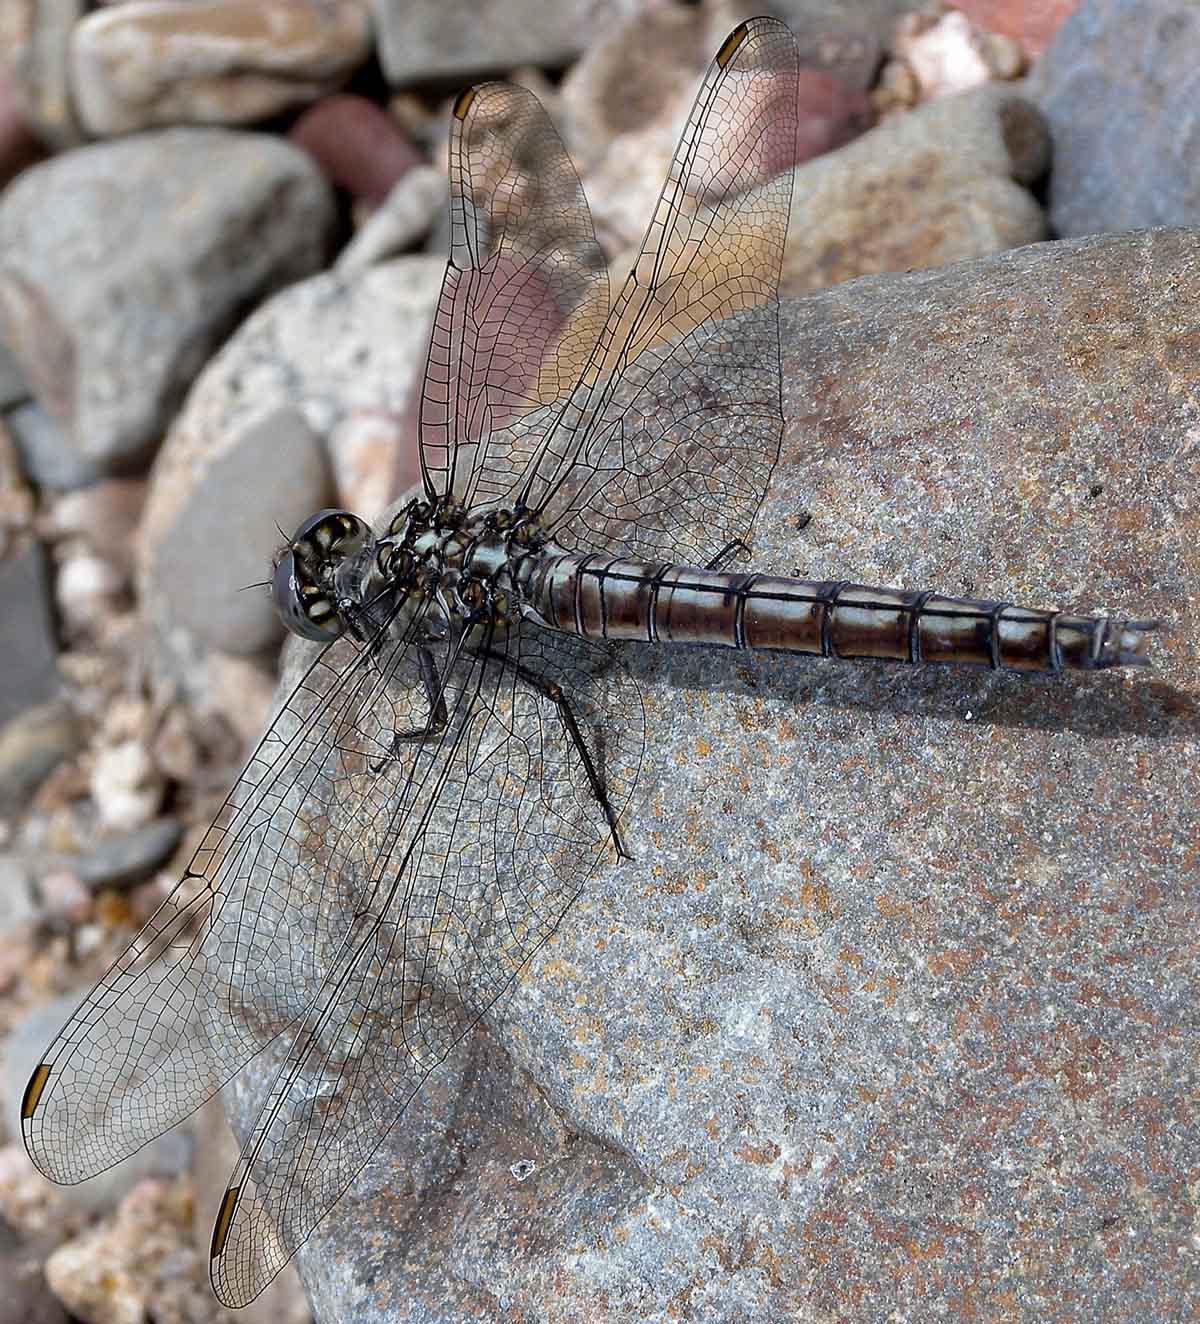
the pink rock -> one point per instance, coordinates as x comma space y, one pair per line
832, 113
358, 145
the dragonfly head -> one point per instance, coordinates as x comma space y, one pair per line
306, 588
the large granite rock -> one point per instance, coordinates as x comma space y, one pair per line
895, 1004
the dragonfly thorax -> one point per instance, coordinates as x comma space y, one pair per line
463, 563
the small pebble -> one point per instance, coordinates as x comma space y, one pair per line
121, 861
31, 746
126, 786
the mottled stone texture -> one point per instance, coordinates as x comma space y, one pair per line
893, 1014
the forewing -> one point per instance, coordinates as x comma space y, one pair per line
665, 448
498, 840
525, 292
241, 946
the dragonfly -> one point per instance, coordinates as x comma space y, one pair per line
458, 756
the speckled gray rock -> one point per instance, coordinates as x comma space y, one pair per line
901, 983
129, 857
1120, 88
32, 745
223, 535
947, 182
422, 39
248, 449
125, 262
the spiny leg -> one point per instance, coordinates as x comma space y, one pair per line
435, 724
731, 549
553, 691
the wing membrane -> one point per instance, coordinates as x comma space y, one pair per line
525, 291
499, 841
666, 446
240, 948
374, 897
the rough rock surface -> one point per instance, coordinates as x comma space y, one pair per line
942, 184
123, 266
321, 352
1119, 89
158, 62
895, 1006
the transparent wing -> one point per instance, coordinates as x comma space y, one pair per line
665, 447
525, 292
242, 945
498, 841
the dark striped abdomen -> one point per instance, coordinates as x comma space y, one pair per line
601, 597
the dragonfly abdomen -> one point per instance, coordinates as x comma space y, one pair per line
601, 597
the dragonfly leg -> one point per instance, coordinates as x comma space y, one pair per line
436, 722
554, 692
731, 549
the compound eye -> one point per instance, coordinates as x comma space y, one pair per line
303, 608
